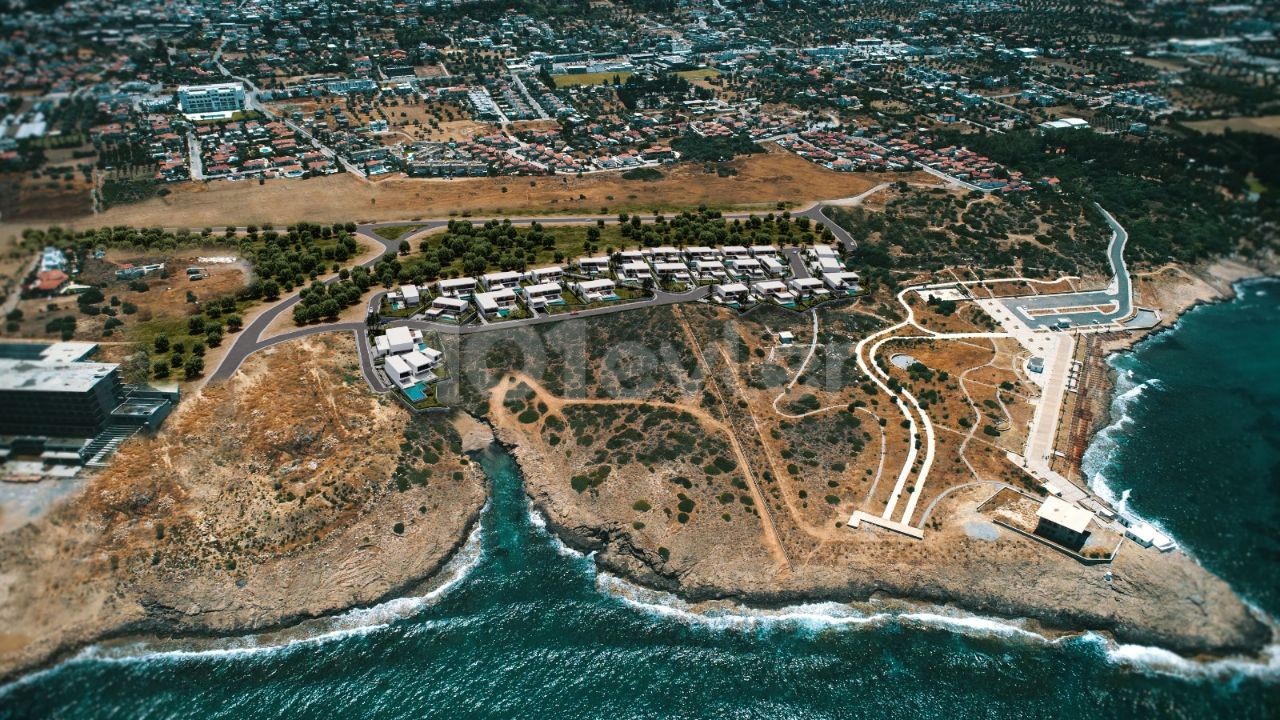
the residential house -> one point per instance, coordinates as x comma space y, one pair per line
735, 294
745, 268
700, 252
672, 271
734, 251
774, 290
772, 267
506, 280
496, 303
593, 266
634, 271
710, 270
553, 274
409, 293
805, 288
841, 282
595, 290
447, 308
543, 294
457, 287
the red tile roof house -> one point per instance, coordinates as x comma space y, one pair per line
50, 281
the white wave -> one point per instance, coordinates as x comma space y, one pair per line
352, 623
1165, 662
539, 521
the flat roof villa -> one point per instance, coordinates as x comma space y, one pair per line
547, 274
710, 269
731, 294
734, 251
629, 256
672, 271
594, 265
500, 280
457, 287
808, 287
774, 290
496, 302
666, 253
634, 270
595, 290
409, 293
763, 251
841, 282
544, 294
701, 252
447, 308
396, 341
745, 267
771, 266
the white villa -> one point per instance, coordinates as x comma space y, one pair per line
507, 280
841, 282
808, 287
412, 367
734, 251
630, 256
823, 259
677, 271
745, 267
774, 290
410, 295
447, 308
664, 254
700, 252
594, 266
731, 293
771, 266
595, 290
396, 341
496, 302
554, 273
635, 270
457, 287
710, 270
543, 294
763, 251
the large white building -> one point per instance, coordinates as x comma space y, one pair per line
219, 99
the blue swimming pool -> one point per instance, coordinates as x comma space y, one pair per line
415, 393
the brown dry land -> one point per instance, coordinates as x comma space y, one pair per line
761, 182
1265, 124
684, 475
266, 500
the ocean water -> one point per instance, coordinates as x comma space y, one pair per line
523, 627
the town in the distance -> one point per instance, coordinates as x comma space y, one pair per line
770, 301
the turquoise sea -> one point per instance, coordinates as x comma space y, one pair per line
523, 627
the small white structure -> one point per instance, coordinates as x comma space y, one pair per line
841, 282
554, 273
672, 271
410, 295
731, 293
447, 308
1062, 522
542, 295
457, 287
497, 302
808, 287
745, 267
595, 290
506, 280
635, 271
773, 290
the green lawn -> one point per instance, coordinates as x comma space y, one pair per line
699, 74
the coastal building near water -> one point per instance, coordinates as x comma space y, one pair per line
1062, 522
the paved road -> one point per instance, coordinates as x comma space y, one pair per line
1119, 293
249, 340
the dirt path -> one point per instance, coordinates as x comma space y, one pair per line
504, 419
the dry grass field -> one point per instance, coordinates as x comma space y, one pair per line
1265, 124
761, 182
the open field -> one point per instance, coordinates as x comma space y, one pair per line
762, 181
589, 78
1264, 124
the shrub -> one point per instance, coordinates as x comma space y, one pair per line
641, 506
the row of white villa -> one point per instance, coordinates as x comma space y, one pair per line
735, 271
832, 284
407, 360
